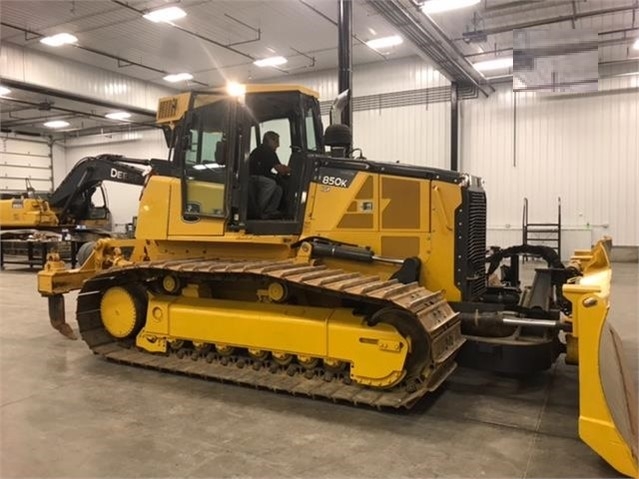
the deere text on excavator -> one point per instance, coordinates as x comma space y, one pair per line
365, 288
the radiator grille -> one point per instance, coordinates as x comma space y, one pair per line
476, 243
167, 109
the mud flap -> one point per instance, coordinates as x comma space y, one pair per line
57, 316
607, 395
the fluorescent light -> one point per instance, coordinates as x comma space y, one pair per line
437, 6
176, 77
59, 40
270, 62
167, 14
118, 115
4, 90
636, 44
385, 42
495, 64
56, 124
235, 89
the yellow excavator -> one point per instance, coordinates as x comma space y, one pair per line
71, 203
366, 287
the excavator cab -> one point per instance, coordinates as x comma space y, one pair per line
213, 144
90, 208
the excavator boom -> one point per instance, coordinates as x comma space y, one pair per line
89, 173
70, 203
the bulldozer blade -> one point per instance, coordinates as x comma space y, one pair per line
607, 392
57, 316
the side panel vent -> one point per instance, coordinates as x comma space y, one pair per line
470, 244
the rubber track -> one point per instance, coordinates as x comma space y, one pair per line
439, 321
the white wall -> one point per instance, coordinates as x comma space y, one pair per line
59, 162
48, 70
410, 134
584, 148
25, 156
123, 198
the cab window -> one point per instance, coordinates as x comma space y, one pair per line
204, 161
311, 134
281, 126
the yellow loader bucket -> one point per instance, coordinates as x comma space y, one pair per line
607, 393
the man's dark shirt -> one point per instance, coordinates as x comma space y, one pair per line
262, 160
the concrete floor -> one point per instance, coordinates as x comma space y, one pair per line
66, 413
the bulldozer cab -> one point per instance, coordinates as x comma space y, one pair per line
213, 154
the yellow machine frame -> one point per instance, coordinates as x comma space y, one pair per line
603, 380
351, 215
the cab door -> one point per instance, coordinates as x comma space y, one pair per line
205, 154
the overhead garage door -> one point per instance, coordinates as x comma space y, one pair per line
22, 158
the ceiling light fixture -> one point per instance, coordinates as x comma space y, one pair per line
118, 115
385, 42
495, 64
438, 6
636, 44
56, 124
59, 40
270, 62
4, 90
235, 89
167, 14
176, 77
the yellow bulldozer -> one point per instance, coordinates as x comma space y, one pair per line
366, 286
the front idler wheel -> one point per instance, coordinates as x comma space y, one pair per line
123, 310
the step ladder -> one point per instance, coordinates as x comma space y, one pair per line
545, 234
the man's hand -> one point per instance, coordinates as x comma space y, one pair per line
283, 169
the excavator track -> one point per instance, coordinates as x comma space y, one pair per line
429, 311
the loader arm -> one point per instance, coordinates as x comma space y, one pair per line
607, 393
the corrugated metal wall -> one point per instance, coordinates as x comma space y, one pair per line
584, 148
417, 134
57, 73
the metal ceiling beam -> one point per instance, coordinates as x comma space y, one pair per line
35, 119
606, 70
70, 111
619, 68
503, 6
100, 130
550, 21
431, 41
189, 32
72, 97
600, 43
65, 113
562, 49
330, 20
